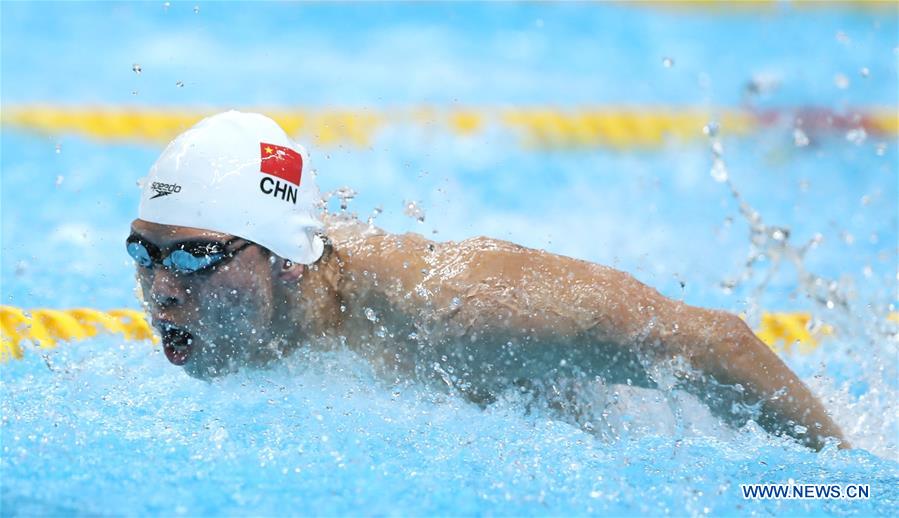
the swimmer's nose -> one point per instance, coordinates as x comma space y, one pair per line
166, 290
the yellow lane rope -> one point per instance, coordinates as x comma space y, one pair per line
536, 127
781, 331
47, 327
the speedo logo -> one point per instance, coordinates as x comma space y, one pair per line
164, 189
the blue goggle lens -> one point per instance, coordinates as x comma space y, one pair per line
140, 254
184, 261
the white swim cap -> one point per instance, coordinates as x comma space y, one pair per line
238, 173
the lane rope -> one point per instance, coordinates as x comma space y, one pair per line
533, 127
782, 331
46, 328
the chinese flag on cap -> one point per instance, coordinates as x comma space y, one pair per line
280, 161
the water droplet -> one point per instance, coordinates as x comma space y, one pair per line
719, 170
864, 72
856, 135
166, 5
728, 286
843, 38
196, 9
455, 303
59, 180
370, 315
711, 129
412, 210
180, 84
346, 195
58, 149
667, 62
800, 139
841, 81
881, 149
381, 332
763, 83
136, 68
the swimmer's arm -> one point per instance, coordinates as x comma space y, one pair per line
512, 289
722, 345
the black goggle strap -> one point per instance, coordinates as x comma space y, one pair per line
232, 253
202, 248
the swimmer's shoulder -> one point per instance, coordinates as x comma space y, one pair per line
364, 249
491, 256
492, 245
383, 244
373, 248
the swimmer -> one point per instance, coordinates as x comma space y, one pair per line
239, 266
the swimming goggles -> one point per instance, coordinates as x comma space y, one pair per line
186, 257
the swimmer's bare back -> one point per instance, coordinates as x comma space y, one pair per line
489, 313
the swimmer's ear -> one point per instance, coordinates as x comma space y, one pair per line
288, 271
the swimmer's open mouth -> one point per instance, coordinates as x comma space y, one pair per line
176, 343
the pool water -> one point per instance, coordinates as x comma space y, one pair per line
106, 426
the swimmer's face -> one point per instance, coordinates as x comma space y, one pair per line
219, 318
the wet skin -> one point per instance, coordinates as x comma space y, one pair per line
481, 315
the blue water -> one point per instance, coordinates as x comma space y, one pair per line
106, 427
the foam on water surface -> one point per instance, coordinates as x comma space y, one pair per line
117, 429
